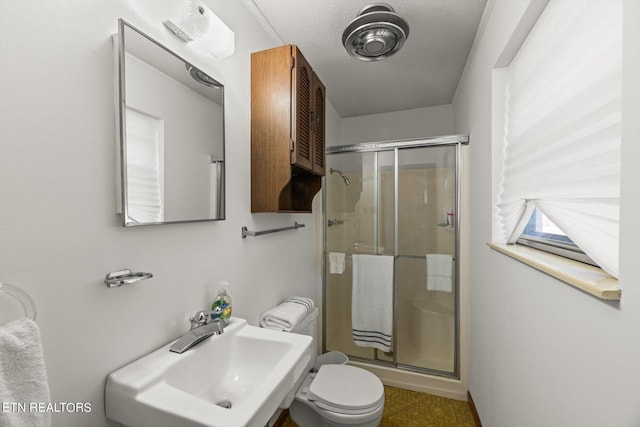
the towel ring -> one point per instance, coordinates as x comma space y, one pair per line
23, 298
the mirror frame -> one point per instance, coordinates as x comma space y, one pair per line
121, 107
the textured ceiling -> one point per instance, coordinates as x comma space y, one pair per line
424, 73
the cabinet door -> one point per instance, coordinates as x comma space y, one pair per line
318, 125
301, 91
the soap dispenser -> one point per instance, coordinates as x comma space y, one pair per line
221, 306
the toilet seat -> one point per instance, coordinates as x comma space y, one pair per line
346, 390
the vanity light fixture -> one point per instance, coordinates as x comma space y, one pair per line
198, 24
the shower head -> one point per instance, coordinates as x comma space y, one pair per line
344, 178
376, 33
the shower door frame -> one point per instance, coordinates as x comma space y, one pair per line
395, 146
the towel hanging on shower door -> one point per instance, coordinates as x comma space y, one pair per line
336, 262
439, 272
372, 301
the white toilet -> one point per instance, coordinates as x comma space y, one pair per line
335, 395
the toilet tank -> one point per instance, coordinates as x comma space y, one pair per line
308, 327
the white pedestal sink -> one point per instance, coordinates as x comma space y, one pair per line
238, 379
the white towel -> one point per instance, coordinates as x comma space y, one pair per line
439, 272
372, 301
23, 378
336, 262
287, 315
307, 302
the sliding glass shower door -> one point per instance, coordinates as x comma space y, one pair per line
398, 202
355, 224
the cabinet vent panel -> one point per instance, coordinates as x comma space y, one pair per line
319, 129
304, 96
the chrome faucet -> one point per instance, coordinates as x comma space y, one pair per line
202, 327
201, 318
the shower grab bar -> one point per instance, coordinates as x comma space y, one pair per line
246, 232
23, 298
421, 257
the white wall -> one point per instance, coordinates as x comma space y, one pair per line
59, 235
542, 352
405, 124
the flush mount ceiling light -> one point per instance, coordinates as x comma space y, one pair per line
376, 33
200, 25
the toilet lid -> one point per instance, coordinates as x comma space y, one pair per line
346, 389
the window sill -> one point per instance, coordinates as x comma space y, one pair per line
585, 277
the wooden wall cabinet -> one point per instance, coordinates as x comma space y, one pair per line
287, 131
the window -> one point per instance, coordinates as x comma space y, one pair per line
560, 147
145, 167
541, 233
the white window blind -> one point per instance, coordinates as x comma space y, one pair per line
562, 127
145, 143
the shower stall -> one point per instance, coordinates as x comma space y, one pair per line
396, 201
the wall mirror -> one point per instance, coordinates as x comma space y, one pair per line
171, 135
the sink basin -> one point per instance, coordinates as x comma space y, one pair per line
238, 378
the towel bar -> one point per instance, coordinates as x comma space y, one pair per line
421, 257
417, 257
246, 232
